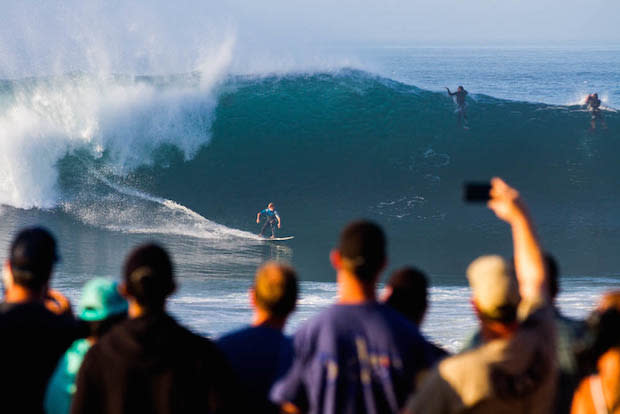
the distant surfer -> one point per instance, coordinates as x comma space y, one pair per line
272, 218
460, 94
593, 104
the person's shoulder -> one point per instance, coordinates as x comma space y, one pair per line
189, 337
241, 332
468, 372
398, 321
324, 320
5, 307
237, 337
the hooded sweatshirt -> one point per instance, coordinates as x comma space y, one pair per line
151, 364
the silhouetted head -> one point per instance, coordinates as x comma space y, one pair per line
460, 88
275, 289
362, 250
604, 328
408, 289
595, 95
148, 276
32, 256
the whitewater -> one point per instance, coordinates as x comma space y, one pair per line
119, 147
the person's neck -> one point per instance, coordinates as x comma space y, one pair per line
136, 310
262, 318
496, 330
352, 291
20, 294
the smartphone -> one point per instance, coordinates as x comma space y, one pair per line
476, 192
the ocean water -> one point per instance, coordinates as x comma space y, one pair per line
110, 160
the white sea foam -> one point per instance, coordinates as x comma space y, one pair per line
168, 217
449, 321
125, 119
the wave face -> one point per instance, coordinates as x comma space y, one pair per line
161, 155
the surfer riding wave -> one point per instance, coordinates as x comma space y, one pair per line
272, 218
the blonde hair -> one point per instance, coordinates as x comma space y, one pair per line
275, 288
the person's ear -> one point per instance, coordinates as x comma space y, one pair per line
335, 259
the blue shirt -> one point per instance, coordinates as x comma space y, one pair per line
354, 359
259, 356
271, 214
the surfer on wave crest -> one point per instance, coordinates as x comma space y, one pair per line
594, 106
272, 217
460, 94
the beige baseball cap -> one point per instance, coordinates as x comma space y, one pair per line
494, 286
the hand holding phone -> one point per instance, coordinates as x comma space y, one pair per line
476, 192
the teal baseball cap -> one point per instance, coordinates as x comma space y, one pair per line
100, 300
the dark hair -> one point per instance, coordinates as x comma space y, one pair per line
275, 289
32, 256
409, 293
362, 249
603, 333
552, 275
149, 276
99, 328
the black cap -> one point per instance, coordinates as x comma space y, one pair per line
32, 255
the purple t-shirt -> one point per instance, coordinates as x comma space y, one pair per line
354, 359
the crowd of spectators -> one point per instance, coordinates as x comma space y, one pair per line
123, 353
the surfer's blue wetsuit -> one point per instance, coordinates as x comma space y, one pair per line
271, 220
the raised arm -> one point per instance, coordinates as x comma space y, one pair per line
450, 93
529, 263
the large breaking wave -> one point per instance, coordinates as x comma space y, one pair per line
179, 154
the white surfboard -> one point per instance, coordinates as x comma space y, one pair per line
278, 238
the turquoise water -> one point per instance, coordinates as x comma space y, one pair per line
108, 161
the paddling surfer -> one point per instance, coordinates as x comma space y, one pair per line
460, 94
272, 217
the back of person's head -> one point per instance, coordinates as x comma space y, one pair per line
409, 287
362, 250
461, 87
148, 276
495, 290
607, 321
275, 289
553, 271
603, 327
271, 205
32, 257
101, 305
